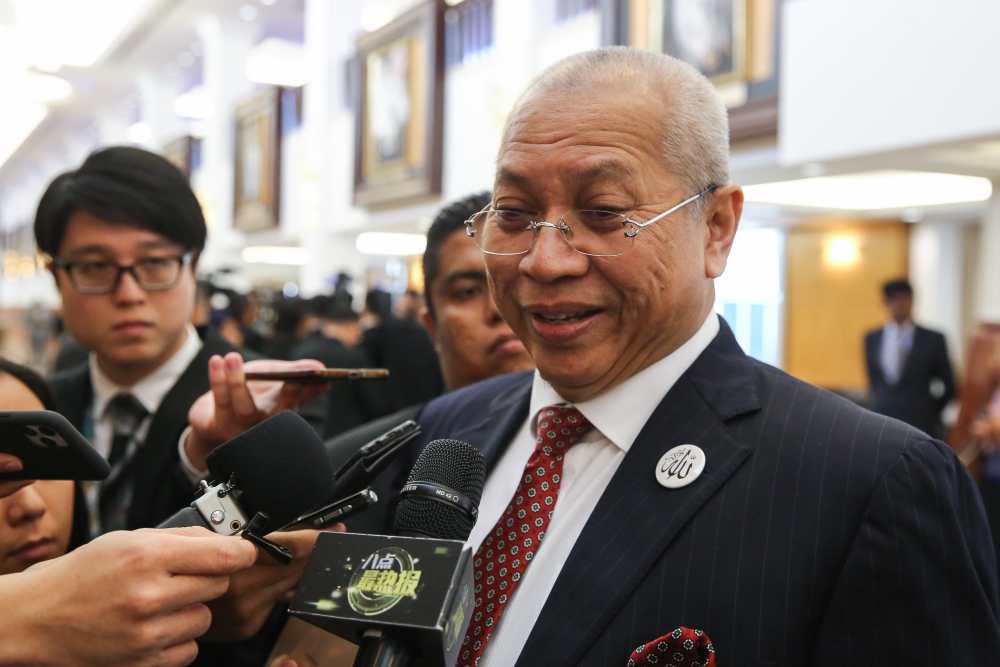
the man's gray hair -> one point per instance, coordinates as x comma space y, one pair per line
695, 123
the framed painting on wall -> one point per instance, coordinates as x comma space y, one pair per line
257, 175
734, 43
708, 34
398, 109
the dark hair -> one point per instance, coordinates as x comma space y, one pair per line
127, 186
449, 220
379, 302
331, 309
898, 287
32, 380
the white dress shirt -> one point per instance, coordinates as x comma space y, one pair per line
149, 391
618, 416
897, 339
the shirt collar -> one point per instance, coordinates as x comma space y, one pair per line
151, 389
893, 328
641, 393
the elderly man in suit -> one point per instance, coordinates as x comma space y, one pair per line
649, 475
909, 372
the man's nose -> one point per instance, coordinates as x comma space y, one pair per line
25, 506
551, 256
127, 289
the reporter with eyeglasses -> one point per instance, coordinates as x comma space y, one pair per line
124, 233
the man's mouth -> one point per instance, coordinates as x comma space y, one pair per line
37, 549
561, 323
567, 317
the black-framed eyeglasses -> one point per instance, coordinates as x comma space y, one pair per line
153, 274
590, 232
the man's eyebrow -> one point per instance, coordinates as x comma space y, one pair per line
592, 172
455, 276
603, 169
105, 250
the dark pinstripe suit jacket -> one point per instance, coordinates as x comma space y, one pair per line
818, 534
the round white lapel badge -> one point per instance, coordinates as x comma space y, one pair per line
680, 466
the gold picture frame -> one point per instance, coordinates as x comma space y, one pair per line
711, 35
257, 174
398, 109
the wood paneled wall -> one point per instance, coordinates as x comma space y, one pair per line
834, 270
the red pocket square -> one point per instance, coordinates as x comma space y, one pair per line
683, 647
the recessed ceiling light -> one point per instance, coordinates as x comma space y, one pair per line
874, 190
382, 243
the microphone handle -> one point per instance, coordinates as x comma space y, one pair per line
377, 649
184, 518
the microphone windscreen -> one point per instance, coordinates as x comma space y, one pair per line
452, 464
281, 467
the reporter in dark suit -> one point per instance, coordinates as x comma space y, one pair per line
909, 372
124, 232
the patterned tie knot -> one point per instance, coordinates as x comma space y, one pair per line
559, 428
125, 412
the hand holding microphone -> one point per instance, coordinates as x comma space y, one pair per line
127, 598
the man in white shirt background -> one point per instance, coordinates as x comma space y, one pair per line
909, 371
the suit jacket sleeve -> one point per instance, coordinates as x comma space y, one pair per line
919, 583
942, 370
872, 361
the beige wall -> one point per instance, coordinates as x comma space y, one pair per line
833, 275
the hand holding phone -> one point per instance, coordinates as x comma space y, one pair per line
49, 447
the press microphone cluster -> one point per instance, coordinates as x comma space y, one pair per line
262, 480
278, 475
406, 598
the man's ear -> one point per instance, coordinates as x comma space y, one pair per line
722, 221
51, 267
428, 321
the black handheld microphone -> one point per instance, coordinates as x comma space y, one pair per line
404, 599
260, 480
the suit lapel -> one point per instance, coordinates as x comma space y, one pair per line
612, 556
506, 415
74, 394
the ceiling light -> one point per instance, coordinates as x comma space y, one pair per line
193, 104
267, 3
46, 88
76, 34
277, 62
381, 243
19, 121
275, 254
873, 190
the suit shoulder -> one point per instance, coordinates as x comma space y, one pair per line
477, 396
823, 420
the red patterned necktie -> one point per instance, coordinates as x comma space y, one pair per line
683, 647
504, 555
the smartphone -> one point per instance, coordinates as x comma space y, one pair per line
335, 511
49, 447
319, 375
